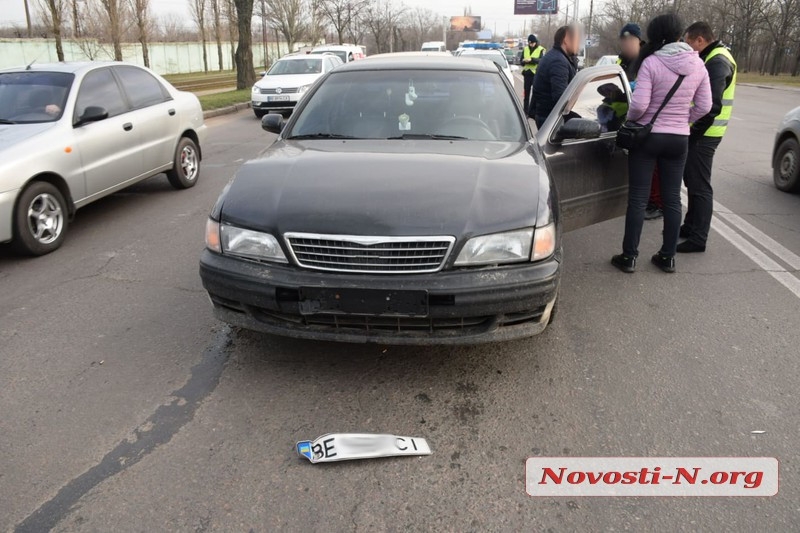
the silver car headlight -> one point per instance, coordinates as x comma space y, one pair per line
256, 89
250, 244
498, 248
303, 89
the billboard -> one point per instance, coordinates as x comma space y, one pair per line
535, 7
465, 24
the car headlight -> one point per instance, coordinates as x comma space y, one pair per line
249, 244
256, 89
544, 242
303, 89
509, 247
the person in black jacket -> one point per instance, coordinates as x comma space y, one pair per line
556, 70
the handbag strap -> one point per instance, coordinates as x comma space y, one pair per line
667, 98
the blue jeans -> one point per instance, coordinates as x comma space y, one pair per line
669, 152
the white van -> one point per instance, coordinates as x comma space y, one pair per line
434, 46
346, 52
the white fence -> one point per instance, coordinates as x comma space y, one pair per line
165, 58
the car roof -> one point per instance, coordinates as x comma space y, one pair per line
470, 51
71, 67
336, 47
418, 61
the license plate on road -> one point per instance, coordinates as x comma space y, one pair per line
320, 300
277, 98
344, 446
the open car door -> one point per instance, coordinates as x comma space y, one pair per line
578, 140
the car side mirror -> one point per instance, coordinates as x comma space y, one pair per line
273, 123
92, 113
578, 128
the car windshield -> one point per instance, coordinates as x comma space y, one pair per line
308, 65
411, 104
28, 97
498, 59
341, 54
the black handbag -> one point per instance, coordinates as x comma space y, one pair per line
632, 135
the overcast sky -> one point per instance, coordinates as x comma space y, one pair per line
497, 14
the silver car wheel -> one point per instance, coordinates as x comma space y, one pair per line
45, 218
788, 164
189, 164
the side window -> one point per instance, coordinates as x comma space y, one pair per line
141, 87
604, 100
99, 88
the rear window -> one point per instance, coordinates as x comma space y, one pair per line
410, 104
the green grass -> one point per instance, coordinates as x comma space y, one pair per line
218, 100
755, 77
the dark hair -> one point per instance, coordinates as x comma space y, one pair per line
561, 33
663, 29
701, 29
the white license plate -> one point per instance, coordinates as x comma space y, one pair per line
345, 446
283, 98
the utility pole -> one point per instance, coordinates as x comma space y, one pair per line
28, 17
591, 13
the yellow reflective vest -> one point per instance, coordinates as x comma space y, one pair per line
720, 124
538, 52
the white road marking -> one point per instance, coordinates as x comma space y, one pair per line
769, 265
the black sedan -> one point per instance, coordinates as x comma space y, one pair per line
407, 201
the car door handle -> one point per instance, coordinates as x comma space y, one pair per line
127, 126
171, 112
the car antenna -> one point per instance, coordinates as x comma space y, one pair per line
30, 65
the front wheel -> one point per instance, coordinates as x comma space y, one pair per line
786, 173
40, 219
186, 167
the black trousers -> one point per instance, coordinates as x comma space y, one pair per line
697, 178
669, 153
527, 96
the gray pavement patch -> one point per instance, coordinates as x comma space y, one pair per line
158, 429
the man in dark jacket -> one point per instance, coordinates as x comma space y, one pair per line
556, 70
706, 135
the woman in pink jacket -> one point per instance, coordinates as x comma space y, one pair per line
663, 59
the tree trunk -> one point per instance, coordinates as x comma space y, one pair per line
205, 52
76, 21
55, 16
28, 18
145, 51
245, 72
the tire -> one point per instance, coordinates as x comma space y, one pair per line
786, 167
40, 219
186, 167
259, 114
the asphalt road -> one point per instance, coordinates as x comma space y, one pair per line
124, 406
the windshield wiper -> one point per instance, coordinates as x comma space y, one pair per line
429, 136
321, 136
6, 121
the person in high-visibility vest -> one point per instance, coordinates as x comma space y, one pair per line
531, 55
706, 135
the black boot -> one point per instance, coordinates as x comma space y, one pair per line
688, 247
624, 263
685, 232
665, 263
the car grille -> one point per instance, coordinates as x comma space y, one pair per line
290, 90
377, 255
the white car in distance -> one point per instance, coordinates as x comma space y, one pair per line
288, 79
497, 56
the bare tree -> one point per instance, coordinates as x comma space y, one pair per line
245, 72
28, 17
113, 11
421, 23
216, 19
315, 31
233, 27
141, 15
198, 11
53, 15
340, 13
381, 18
287, 17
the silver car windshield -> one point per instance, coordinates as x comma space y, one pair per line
411, 104
29, 97
311, 65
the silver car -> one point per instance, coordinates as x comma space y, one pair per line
786, 154
71, 133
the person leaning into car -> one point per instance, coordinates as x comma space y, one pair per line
662, 63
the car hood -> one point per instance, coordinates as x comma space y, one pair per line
386, 188
287, 80
14, 134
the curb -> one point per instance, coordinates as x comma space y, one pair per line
226, 110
